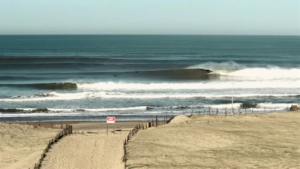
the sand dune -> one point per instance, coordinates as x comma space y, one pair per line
22, 145
208, 141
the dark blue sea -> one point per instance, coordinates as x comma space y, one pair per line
133, 77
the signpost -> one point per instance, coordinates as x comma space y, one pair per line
109, 120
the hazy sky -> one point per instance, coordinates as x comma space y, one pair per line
233, 17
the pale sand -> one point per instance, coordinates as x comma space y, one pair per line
210, 141
21, 146
92, 150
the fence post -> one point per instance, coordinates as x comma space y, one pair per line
156, 121
217, 111
208, 110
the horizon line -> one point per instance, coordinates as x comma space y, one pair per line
148, 34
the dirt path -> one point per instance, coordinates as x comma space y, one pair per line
95, 150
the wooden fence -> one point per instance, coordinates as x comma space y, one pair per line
143, 126
66, 131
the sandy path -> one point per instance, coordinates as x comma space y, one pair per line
241, 141
93, 151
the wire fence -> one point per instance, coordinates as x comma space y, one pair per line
230, 111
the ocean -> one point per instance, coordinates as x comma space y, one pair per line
137, 77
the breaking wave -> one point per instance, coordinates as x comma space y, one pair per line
234, 69
191, 86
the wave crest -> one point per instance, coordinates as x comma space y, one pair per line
234, 69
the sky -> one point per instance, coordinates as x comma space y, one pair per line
201, 17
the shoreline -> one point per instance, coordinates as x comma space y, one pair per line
69, 119
83, 125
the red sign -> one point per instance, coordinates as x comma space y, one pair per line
111, 119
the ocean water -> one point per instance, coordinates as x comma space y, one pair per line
134, 77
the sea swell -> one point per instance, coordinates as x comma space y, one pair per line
47, 86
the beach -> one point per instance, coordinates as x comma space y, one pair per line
230, 86
21, 145
268, 140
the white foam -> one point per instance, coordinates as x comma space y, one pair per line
38, 114
266, 73
223, 106
104, 95
113, 86
117, 109
231, 68
260, 106
54, 96
229, 65
276, 105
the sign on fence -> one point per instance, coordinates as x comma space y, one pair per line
110, 119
